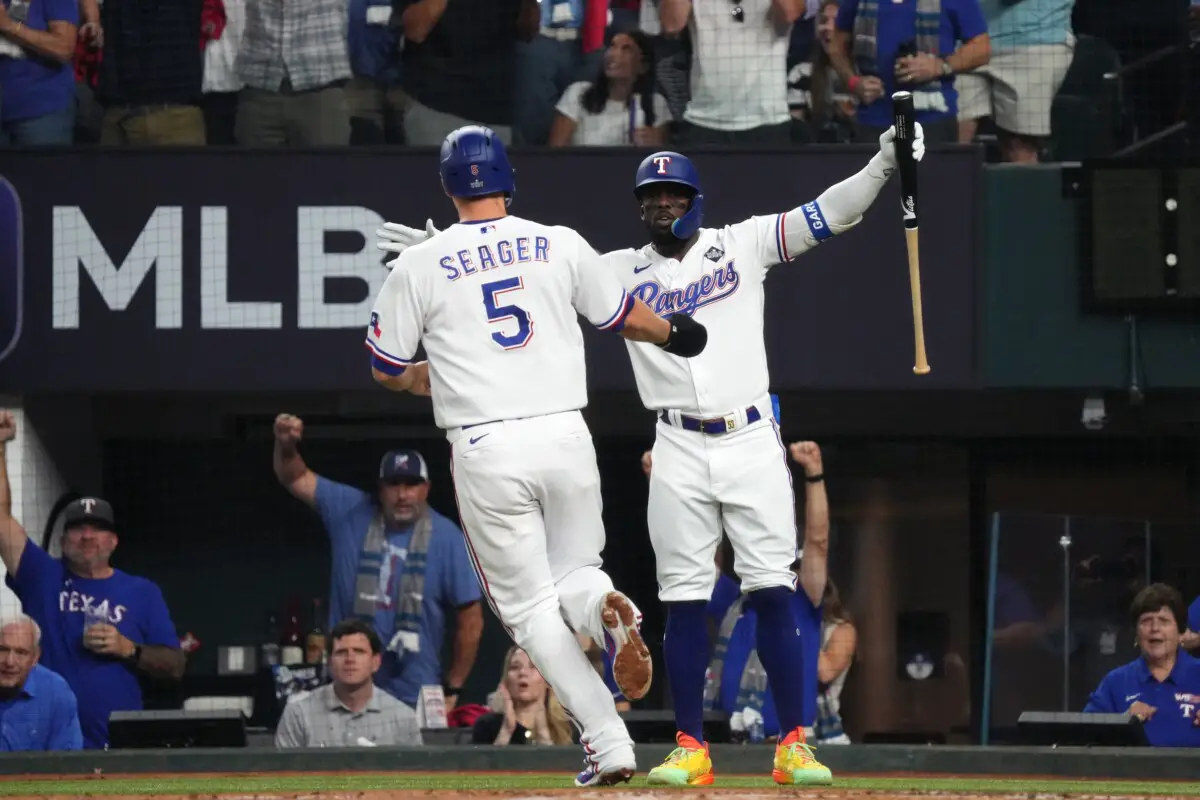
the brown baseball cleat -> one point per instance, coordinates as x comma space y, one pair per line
631, 664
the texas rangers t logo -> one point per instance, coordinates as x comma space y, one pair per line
89, 505
662, 162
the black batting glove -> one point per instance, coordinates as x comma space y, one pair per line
687, 337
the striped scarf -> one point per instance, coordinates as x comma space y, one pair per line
410, 588
928, 40
752, 687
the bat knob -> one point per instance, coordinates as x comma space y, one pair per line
921, 370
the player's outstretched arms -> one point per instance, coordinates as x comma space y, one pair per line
678, 334
396, 238
841, 206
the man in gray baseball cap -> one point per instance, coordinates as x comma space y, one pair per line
396, 564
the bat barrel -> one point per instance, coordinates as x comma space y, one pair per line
904, 115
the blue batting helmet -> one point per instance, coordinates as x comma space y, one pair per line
669, 167
474, 163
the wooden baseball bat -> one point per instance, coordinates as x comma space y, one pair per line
905, 119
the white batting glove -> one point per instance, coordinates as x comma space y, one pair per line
887, 146
396, 238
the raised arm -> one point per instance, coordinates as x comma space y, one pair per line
814, 566
840, 207
12, 534
293, 474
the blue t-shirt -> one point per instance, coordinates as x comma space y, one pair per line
35, 86
41, 716
373, 45
56, 598
1176, 699
742, 643
1193, 620
961, 21
450, 583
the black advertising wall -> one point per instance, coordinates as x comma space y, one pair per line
247, 271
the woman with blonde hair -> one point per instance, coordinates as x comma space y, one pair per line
524, 708
839, 643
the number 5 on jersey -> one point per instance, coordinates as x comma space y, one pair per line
498, 313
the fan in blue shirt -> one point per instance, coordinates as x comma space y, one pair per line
915, 45
1161, 687
37, 708
374, 576
101, 626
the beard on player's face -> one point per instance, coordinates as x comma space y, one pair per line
661, 205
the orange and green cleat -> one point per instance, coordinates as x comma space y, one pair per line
795, 764
688, 765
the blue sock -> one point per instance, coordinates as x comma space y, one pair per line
685, 651
781, 653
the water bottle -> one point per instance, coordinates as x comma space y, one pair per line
755, 731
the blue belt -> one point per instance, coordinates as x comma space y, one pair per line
712, 427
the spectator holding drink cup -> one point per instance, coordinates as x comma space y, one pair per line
102, 627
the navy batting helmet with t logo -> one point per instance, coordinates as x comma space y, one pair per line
669, 167
474, 164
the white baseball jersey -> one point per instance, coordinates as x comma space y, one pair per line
720, 283
495, 304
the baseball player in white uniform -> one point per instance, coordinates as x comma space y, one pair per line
495, 300
719, 462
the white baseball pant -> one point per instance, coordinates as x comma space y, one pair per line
702, 484
529, 498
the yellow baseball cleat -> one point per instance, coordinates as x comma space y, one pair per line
795, 764
688, 765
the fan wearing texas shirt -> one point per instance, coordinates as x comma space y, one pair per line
101, 627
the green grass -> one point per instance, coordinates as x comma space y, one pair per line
91, 787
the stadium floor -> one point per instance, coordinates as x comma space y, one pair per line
514, 786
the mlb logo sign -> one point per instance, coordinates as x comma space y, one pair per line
475, 169
376, 331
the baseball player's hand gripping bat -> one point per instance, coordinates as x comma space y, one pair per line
905, 117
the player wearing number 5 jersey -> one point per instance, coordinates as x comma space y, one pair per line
719, 463
495, 301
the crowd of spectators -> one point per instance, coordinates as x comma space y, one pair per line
644, 73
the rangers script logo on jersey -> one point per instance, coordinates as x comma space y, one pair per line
714, 287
